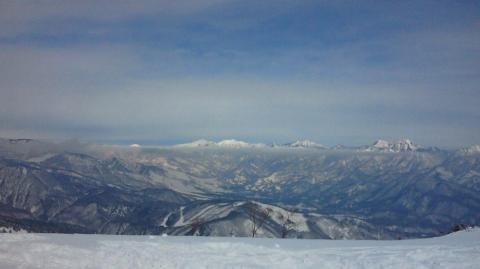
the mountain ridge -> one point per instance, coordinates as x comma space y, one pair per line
152, 190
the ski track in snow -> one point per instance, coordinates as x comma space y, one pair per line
165, 219
181, 220
460, 250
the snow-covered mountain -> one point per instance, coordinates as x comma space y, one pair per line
335, 193
304, 144
227, 143
197, 143
471, 150
402, 145
232, 143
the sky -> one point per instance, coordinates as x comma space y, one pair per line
336, 72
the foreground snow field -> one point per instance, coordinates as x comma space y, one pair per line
459, 250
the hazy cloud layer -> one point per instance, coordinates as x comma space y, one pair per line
334, 72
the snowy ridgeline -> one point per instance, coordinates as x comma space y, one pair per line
458, 250
11, 230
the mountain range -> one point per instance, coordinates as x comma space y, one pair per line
389, 189
380, 145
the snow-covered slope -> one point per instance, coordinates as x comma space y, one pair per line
227, 143
232, 143
232, 218
197, 143
458, 250
304, 144
402, 145
471, 150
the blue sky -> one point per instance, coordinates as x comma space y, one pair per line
344, 72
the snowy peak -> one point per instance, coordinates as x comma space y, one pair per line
381, 144
473, 149
304, 144
232, 143
227, 143
197, 143
402, 145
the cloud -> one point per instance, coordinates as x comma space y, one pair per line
173, 71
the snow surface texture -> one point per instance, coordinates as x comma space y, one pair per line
459, 250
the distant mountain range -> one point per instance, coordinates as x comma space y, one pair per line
389, 189
401, 145
232, 143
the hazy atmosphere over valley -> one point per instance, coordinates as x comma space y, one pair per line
224, 124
